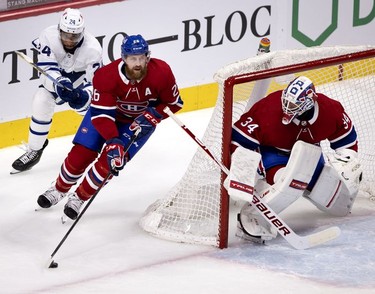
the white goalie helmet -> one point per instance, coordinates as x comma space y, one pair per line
71, 26
298, 97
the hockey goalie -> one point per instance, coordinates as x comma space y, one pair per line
276, 155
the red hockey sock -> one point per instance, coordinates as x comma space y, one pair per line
94, 178
78, 159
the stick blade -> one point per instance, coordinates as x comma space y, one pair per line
318, 238
51, 263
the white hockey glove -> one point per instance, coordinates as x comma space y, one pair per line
346, 163
345, 155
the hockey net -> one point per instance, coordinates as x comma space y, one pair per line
196, 209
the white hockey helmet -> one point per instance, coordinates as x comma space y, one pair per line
298, 97
71, 25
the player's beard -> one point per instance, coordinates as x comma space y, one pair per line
136, 73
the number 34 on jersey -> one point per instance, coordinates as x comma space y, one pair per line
249, 125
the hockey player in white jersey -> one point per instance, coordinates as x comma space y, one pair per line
70, 55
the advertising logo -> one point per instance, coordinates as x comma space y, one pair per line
298, 16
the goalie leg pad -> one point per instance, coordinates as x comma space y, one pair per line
330, 194
295, 178
290, 185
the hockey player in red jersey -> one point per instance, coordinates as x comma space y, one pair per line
272, 127
129, 93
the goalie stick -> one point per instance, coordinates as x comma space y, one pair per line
31, 62
296, 241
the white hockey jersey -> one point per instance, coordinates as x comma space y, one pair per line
79, 67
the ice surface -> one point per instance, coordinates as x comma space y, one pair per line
107, 252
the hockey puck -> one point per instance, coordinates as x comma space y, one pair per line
53, 264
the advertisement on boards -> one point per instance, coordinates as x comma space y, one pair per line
195, 37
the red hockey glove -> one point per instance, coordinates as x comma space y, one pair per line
115, 155
147, 122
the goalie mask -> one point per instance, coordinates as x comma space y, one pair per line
297, 98
71, 27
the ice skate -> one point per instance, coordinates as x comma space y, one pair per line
28, 159
252, 227
73, 206
50, 197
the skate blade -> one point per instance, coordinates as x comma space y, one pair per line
254, 239
64, 218
15, 171
38, 208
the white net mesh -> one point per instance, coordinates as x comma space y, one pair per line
191, 210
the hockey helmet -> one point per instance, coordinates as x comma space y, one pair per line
134, 45
298, 97
71, 25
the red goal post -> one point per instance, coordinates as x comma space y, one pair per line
197, 209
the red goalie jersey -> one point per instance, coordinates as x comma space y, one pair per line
262, 126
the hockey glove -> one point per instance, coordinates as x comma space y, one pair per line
115, 155
63, 92
347, 165
345, 155
80, 99
147, 122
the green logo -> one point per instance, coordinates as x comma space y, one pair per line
357, 21
308, 42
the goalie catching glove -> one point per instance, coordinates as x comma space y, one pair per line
147, 121
346, 163
116, 158
77, 98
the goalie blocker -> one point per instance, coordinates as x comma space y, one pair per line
334, 192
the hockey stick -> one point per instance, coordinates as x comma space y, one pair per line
296, 241
51, 262
31, 62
